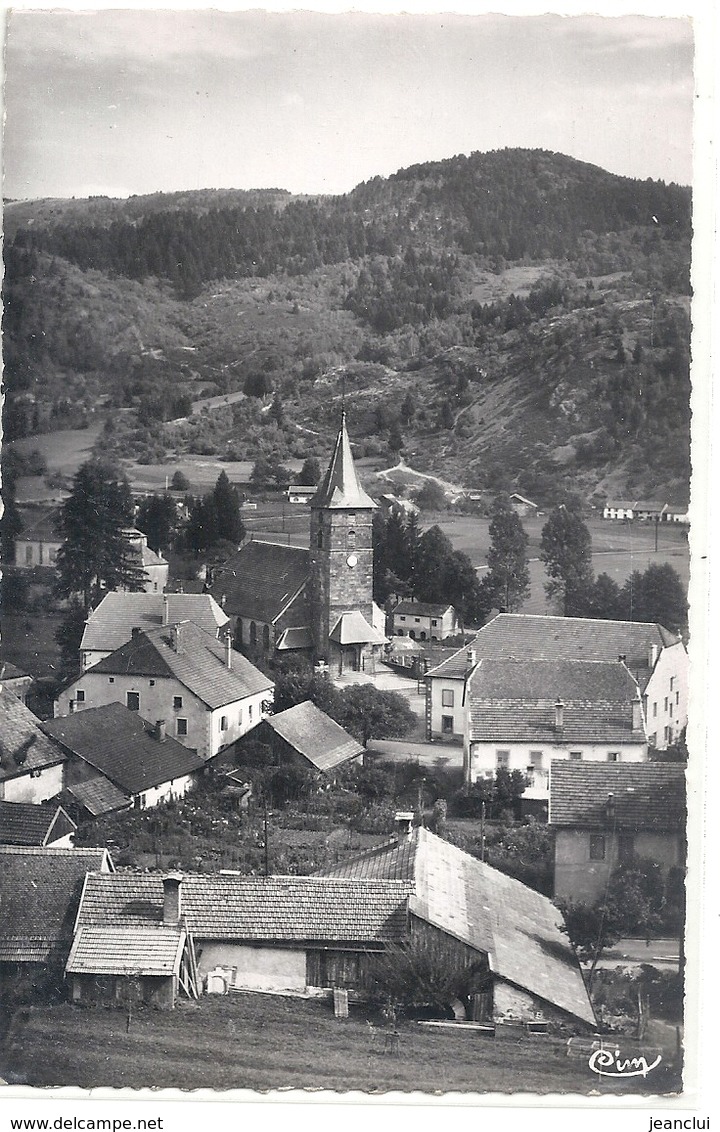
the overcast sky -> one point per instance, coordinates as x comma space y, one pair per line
121, 102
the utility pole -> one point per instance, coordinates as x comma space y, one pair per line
482, 831
657, 525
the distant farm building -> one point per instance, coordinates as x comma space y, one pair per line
300, 494
424, 621
523, 506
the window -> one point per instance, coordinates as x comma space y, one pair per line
447, 725
411, 634
151, 683
320, 540
417, 620
28, 555
613, 757
626, 847
132, 699
671, 711
677, 697
502, 759
249, 712
181, 726
667, 734
80, 695
597, 847
423, 635
655, 710
111, 679
155, 587
448, 697
672, 683
666, 703
434, 621
576, 756
223, 723
177, 702
351, 538
240, 718
402, 616
536, 760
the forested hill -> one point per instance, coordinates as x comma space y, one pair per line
529, 310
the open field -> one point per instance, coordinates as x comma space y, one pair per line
265, 1042
64, 451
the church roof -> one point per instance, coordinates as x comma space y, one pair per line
262, 580
341, 487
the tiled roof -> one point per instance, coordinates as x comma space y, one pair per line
10, 671
340, 486
111, 624
514, 701
22, 823
421, 608
456, 666
524, 635
153, 950
297, 638
646, 796
571, 680
620, 504
197, 661
394, 860
255, 908
261, 580
316, 736
42, 529
99, 796
23, 745
120, 744
522, 499
351, 629
519, 929
649, 505
39, 896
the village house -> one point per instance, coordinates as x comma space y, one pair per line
116, 758
657, 659
523, 506
155, 567
31, 764
110, 625
300, 933
525, 714
619, 509
297, 493
608, 815
424, 621
41, 824
40, 891
208, 694
38, 543
305, 736
469, 913
316, 602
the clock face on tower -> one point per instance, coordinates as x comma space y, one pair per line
351, 560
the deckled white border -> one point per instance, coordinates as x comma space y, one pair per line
702, 1087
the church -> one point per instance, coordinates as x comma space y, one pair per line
317, 602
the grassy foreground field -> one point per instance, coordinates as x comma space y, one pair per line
264, 1042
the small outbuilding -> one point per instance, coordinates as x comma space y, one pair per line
306, 735
23, 823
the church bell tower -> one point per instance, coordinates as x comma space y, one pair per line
341, 565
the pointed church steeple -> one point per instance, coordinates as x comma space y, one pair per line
341, 487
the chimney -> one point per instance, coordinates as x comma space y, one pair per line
559, 715
471, 657
176, 638
610, 808
404, 824
622, 657
165, 610
652, 656
228, 648
172, 904
223, 599
136, 630
637, 713
71, 706
159, 731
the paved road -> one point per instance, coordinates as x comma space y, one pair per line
663, 953
428, 754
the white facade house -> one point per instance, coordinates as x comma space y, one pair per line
207, 694
521, 715
424, 621
31, 764
657, 659
155, 567
619, 509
